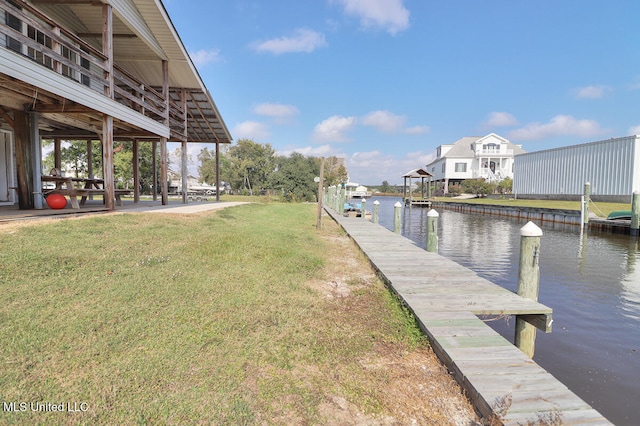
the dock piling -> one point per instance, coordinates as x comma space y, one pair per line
586, 199
635, 214
432, 231
397, 221
363, 211
376, 205
528, 283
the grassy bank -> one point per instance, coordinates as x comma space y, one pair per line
242, 316
600, 209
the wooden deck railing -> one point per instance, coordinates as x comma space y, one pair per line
27, 31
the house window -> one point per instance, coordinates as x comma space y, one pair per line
491, 148
461, 167
444, 167
439, 152
38, 54
15, 23
84, 79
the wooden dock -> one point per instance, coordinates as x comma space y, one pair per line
417, 202
446, 299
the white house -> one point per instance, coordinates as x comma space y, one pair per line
471, 157
612, 168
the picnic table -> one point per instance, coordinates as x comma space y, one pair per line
64, 186
80, 187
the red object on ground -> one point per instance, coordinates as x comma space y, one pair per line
56, 201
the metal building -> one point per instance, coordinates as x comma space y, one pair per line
612, 167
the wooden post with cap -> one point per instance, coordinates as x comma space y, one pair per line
528, 283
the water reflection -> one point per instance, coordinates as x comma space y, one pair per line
631, 282
590, 279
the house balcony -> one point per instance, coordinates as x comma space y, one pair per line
491, 175
80, 77
494, 152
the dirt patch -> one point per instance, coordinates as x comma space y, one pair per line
410, 385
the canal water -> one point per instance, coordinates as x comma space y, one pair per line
591, 280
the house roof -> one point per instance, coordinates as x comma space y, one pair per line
417, 173
463, 147
144, 36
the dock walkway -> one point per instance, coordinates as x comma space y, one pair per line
446, 299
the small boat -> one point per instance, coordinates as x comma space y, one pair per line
353, 209
620, 215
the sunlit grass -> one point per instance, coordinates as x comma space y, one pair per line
186, 319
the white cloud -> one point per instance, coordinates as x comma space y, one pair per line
384, 121
501, 119
592, 92
635, 130
251, 130
417, 130
559, 125
303, 40
389, 15
310, 151
373, 167
280, 112
203, 57
333, 129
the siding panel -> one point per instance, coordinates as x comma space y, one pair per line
611, 166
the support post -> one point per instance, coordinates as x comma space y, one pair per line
410, 193
432, 231
397, 221
586, 201
217, 172
376, 206
635, 214
107, 47
184, 171
320, 195
107, 162
163, 171
154, 166
24, 159
528, 283
136, 171
90, 162
36, 145
364, 210
57, 159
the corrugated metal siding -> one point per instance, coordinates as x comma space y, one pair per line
611, 166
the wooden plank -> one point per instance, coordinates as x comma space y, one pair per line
445, 299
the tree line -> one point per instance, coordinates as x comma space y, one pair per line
247, 166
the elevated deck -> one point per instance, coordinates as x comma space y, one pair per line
446, 299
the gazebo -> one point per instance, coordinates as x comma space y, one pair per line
407, 196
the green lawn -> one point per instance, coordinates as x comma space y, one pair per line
601, 209
186, 319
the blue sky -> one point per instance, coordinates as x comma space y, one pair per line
382, 83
